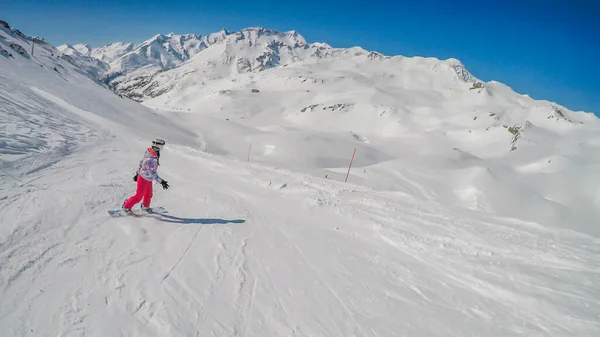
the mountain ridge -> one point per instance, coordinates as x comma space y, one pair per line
115, 77
107, 54
166, 51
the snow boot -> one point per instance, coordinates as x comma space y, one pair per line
127, 211
146, 209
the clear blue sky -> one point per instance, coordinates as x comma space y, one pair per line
548, 49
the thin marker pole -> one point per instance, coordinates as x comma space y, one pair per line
351, 160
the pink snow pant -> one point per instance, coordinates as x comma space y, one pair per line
143, 191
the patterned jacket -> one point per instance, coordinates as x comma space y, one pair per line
148, 166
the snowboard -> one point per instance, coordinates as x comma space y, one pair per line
116, 213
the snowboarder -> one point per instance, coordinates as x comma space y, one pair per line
144, 177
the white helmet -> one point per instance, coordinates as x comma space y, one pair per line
158, 143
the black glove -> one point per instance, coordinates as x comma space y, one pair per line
135, 177
164, 184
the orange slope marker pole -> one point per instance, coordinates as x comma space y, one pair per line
351, 160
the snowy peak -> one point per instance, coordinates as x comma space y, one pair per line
80, 49
321, 45
66, 49
181, 47
133, 67
461, 71
84, 49
255, 49
80, 56
170, 50
213, 38
166, 62
254, 35
160, 52
111, 52
105, 54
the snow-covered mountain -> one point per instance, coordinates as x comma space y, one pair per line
133, 66
249, 50
112, 51
442, 222
84, 49
105, 54
80, 58
136, 70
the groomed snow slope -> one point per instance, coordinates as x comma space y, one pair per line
251, 250
248, 248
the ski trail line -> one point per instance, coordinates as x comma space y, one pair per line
182, 255
191, 242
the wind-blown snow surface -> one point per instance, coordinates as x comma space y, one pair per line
256, 249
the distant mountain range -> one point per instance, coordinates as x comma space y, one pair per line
135, 70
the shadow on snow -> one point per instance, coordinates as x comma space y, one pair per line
204, 221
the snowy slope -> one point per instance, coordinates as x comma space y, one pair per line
272, 247
246, 249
